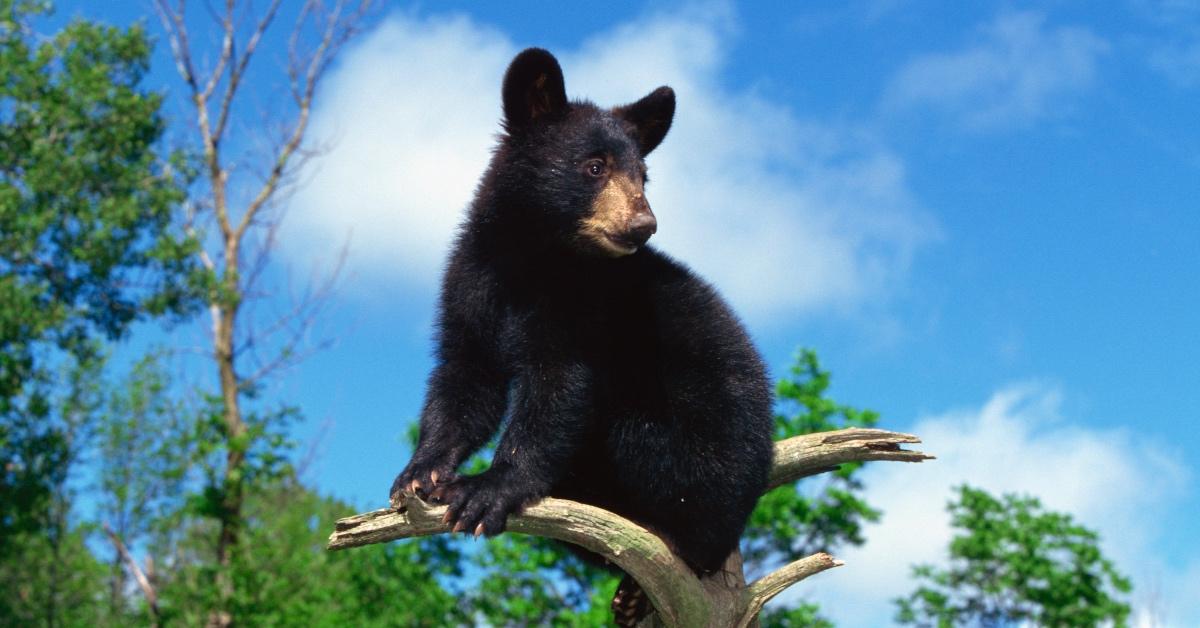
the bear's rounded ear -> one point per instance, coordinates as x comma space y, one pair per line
533, 87
651, 116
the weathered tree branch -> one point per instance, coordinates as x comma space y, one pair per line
774, 583
671, 586
812, 454
679, 597
142, 578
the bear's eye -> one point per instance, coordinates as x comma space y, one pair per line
595, 167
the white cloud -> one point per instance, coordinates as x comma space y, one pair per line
1110, 480
410, 113
1017, 72
785, 215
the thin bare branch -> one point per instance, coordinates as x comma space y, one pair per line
240, 62
228, 29
315, 66
294, 325
774, 583
142, 579
337, 31
172, 23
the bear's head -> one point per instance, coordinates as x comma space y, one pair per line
576, 167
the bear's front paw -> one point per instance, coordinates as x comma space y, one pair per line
479, 504
420, 478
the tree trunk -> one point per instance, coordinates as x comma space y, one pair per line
232, 488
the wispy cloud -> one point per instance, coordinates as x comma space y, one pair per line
1179, 61
1016, 72
785, 214
1110, 480
1172, 48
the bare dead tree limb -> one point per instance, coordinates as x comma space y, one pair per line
679, 597
669, 583
140, 576
812, 454
238, 209
774, 583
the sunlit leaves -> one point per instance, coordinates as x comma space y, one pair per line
1014, 562
87, 242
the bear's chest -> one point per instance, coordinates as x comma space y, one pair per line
614, 332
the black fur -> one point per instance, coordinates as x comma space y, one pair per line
627, 381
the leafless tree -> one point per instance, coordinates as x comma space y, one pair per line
237, 204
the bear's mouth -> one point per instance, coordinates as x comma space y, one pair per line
610, 242
620, 244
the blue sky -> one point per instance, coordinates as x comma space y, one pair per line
984, 217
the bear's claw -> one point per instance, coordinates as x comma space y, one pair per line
478, 504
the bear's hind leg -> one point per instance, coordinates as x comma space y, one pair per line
630, 604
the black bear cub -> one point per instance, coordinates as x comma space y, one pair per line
627, 381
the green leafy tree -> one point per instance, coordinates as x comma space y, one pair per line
805, 614
89, 244
51, 579
86, 238
157, 458
48, 575
284, 576
532, 581
141, 451
1013, 562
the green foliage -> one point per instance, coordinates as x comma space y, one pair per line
285, 577
47, 574
265, 443
141, 450
51, 578
532, 581
86, 200
86, 244
1012, 563
159, 485
804, 615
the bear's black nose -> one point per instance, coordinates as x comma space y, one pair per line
641, 228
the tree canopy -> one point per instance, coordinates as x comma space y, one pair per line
1012, 561
87, 199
